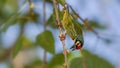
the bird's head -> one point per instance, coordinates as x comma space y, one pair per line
78, 43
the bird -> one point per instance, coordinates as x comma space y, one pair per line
73, 29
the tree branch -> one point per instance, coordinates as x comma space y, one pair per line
62, 37
44, 24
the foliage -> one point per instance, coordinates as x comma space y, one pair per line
90, 61
45, 39
57, 60
51, 21
21, 43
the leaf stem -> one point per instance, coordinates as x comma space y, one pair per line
60, 30
83, 60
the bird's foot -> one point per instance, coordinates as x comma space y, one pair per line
62, 37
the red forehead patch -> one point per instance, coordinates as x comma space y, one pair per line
78, 47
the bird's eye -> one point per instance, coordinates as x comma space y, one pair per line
78, 43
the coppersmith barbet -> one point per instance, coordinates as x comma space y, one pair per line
73, 29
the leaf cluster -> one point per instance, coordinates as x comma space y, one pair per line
45, 39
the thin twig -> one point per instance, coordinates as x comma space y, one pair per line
60, 30
44, 14
85, 21
44, 23
44, 59
76, 13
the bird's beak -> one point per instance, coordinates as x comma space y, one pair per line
73, 47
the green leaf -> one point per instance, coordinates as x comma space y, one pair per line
11, 19
90, 61
57, 61
73, 55
62, 2
2, 3
17, 47
51, 21
46, 41
95, 24
21, 43
12, 3
26, 43
18, 17
60, 14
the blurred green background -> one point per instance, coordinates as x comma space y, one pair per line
23, 38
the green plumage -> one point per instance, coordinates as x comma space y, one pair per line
68, 25
78, 30
73, 29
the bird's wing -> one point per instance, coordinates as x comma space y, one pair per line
78, 29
